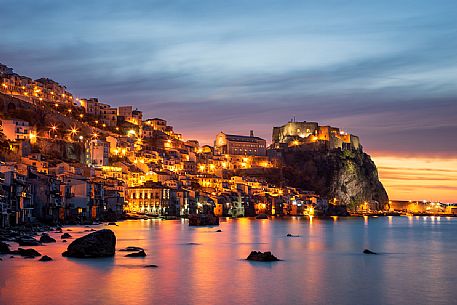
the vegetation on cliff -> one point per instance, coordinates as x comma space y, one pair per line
349, 176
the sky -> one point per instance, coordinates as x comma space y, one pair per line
383, 70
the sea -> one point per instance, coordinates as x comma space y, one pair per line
322, 263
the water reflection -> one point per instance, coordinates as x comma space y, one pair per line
324, 265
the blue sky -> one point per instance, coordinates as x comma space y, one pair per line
385, 70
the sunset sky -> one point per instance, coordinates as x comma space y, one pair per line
384, 70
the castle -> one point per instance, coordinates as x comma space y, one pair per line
295, 134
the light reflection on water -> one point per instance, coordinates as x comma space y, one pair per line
323, 265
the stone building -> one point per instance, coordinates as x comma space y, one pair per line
154, 199
226, 144
299, 133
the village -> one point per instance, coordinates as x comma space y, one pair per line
92, 161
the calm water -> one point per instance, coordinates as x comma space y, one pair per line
325, 265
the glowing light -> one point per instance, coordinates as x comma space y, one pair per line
74, 131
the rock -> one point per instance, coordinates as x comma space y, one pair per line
132, 249
4, 248
45, 238
64, 241
261, 216
45, 258
1, 259
69, 230
151, 266
366, 251
101, 243
349, 176
112, 224
218, 230
29, 257
262, 257
11, 256
290, 235
26, 252
65, 236
203, 220
137, 254
27, 241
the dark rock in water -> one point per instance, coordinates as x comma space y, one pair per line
93, 230
45, 238
64, 241
101, 243
366, 251
86, 227
65, 236
132, 249
290, 235
218, 230
151, 266
112, 224
11, 256
69, 230
203, 220
262, 257
27, 241
137, 254
29, 257
26, 252
45, 258
262, 216
4, 248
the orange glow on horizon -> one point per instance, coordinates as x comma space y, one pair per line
418, 177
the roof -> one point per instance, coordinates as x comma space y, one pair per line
239, 138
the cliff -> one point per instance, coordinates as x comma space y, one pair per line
349, 176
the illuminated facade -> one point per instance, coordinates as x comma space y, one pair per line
298, 133
226, 144
154, 199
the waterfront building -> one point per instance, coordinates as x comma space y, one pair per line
154, 199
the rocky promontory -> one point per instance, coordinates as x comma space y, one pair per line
349, 175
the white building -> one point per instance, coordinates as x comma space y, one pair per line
15, 129
97, 153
